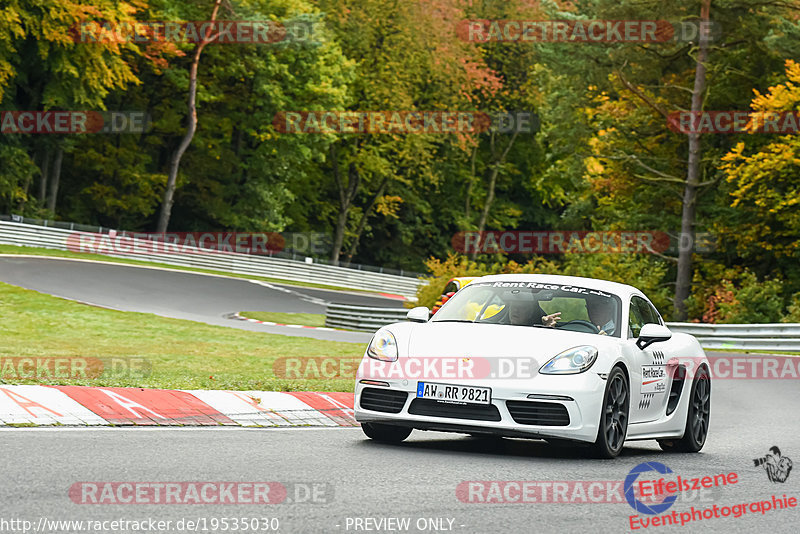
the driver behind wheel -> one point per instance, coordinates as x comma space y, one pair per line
600, 311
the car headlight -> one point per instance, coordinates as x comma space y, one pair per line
383, 347
571, 361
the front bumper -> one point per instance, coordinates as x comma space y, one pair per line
581, 395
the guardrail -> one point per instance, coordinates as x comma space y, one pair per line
776, 336
288, 253
13, 233
361, 317
768, 336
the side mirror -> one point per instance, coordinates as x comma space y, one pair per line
420, 314
652, 333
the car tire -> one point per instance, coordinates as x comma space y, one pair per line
697, 417
614, 414
386, 433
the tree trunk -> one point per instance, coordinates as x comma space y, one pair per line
683, 281
55, 177
26, 189
362, 223
347, 193
495, 170
338, 237
470, 185
175, 161
43, 176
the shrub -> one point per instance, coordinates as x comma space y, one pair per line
753, 301
458, 265
793, 310
645, 272
709, 289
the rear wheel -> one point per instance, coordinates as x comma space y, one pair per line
386, 433
697, 418
614, 417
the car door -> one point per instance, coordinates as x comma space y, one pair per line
649, 383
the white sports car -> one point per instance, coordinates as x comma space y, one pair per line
538, 356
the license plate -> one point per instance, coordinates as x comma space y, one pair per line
452, 393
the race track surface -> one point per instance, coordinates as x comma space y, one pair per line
180, 294
416, 479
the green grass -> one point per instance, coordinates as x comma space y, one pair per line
36, 251
181, 354
306, 319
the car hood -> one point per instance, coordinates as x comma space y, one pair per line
439, 339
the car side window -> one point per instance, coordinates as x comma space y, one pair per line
635, 319
452, 286
650, 313
642, 313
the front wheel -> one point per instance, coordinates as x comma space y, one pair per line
697, 418
386, 433
614, 417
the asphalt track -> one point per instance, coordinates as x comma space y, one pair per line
180, 294
416, 479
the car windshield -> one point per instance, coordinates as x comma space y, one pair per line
535, 304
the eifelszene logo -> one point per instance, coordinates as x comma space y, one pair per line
670, 489
630, 486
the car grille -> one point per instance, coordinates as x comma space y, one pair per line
538, 413
383, 400
475, 412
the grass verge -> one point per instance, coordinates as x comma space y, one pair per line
180, 354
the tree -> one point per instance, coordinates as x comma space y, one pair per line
766, 181
175, 161
409, 60
45, 64
633, 167
689, 206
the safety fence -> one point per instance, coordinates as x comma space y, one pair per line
30, 235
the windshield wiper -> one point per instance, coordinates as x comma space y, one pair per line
453, 321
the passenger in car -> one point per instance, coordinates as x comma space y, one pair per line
524, 312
